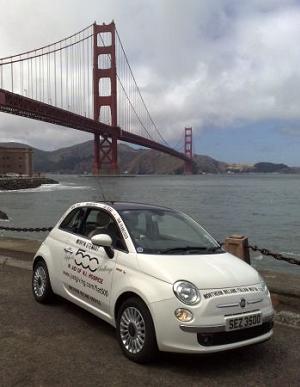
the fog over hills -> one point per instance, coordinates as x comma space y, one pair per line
78, 159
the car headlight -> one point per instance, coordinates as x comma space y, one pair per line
186, 292
264, 286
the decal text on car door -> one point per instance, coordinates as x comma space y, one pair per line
86, 261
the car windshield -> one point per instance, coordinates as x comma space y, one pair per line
159, 231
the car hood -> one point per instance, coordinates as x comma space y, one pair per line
211, 271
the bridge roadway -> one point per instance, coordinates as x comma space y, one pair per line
63, 345
26, 107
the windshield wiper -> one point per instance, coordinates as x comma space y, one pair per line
186, 248
214, 249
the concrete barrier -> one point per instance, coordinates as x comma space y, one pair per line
238, 246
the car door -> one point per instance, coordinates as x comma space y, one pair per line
90, 269
60, 243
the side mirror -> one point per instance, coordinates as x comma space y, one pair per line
104, 241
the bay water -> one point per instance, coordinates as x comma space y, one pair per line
264, 207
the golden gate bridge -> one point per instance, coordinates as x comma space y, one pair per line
85, 82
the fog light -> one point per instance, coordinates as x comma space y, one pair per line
183, 315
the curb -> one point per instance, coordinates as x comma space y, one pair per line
287, 318
13, 262
284, 288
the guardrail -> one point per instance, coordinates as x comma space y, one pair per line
26, 229
236, 244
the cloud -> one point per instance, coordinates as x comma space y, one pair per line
38, 134
249, 72
198, 63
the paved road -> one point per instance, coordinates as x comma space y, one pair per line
64, 345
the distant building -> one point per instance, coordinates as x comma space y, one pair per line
237, 168
16, 161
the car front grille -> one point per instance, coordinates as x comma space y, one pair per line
222, 338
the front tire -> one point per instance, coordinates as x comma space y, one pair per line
41, 286
135, 331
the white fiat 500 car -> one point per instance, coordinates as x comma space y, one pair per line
157, 276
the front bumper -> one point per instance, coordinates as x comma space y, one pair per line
206, 332
234, 337
214, 328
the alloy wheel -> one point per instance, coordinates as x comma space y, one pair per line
132, 330
39, 281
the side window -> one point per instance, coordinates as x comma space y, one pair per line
72, 221
101, 222
96, 222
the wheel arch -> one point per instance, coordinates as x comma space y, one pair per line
37, 259
149, 347
123, 297
40, 257
43, 254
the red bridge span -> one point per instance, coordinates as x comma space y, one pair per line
85, 82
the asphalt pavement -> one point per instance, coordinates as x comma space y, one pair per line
61, 344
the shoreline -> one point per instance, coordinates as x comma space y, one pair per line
18, 183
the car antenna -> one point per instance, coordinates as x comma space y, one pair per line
101, 189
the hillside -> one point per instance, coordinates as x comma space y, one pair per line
78, 159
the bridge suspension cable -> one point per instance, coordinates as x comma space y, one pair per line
57, 74
133, 114
134, 96
61, 75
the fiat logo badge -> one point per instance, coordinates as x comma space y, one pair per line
242, 303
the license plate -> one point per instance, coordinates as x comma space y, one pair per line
243, 321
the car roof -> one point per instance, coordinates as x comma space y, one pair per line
120, 206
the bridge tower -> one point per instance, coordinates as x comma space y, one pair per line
105, 147
188, 150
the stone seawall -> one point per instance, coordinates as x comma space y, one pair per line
9, 184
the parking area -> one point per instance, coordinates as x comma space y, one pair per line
61, 344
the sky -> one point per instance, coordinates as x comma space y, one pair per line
228, 68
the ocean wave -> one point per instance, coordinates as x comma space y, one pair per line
51, 187
291, 254
288, 254
259, 257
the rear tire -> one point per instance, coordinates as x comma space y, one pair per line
135, 331
41, 286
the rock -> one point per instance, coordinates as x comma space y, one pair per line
3, 216
8, 184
